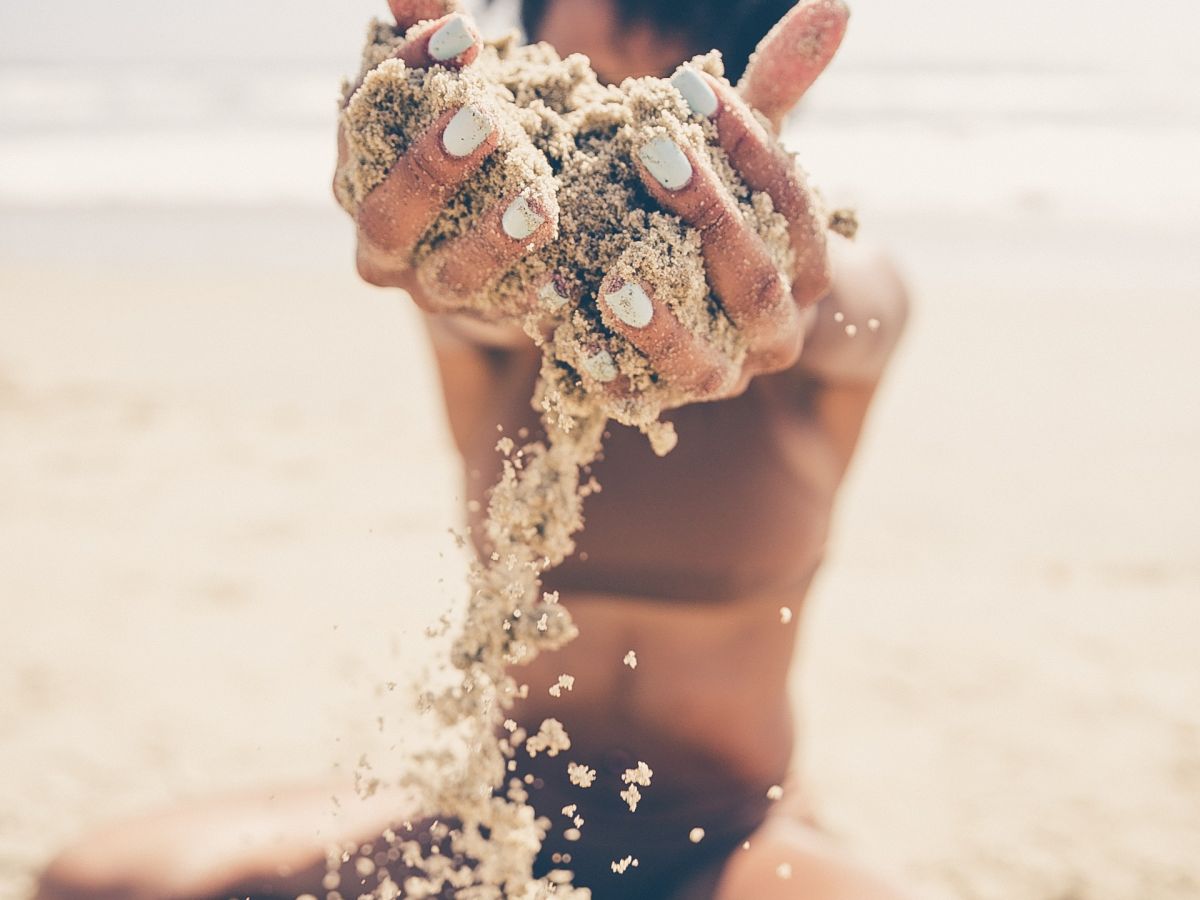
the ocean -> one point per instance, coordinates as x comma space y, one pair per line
1079, 110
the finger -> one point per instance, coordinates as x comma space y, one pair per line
680, 356
395, 214
468, 263
410, 12
740, 271
764, 165
597, 365
553, 294
792, 55
450, 41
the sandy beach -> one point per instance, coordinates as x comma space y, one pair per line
226, 488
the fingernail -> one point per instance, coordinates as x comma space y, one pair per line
451, 40
467, 130
631, 305
666, 162
552, 294
600, 366
696, 92
521, 220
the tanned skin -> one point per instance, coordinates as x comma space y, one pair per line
687, 559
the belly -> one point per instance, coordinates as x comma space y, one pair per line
707, 703
706, 709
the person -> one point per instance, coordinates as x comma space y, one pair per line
699, 561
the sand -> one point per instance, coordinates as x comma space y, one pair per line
203, 543
219, 455
564, 135
566, 138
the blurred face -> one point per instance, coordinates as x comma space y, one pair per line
617, 51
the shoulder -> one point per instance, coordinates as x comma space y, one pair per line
866, 276
855, 328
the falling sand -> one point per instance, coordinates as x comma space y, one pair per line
563, 135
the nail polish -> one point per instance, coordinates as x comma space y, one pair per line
696, 92
552, 294
451, 40
521, 220
468, 129
631, 304
600, 366
667, 163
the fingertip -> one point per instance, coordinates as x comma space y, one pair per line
792, 55
666, 162
626, 301
504, 234
454, 41
696, 91
529, 215
599, 365
554, 293
469, 129
450, 41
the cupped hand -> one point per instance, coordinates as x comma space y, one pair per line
393, 216
766, 304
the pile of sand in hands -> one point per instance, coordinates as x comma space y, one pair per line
562, 134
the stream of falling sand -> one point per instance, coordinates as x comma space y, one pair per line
487, 836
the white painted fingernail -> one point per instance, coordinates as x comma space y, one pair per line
696, 92
600, 366
666, 162
631, 305
521, 220
451, 40
467, 130
552, 294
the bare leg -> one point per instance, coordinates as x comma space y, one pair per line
259, 844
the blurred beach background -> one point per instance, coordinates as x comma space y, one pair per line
226, 487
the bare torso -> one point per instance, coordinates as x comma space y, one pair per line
688, 560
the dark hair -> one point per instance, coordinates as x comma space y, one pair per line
732, 26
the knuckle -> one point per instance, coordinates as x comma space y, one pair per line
498, 252
713, 380
767, 293
370, 270
424, 162
780, 353
740, 137
775, 329
377, 230
710, 213
813, 282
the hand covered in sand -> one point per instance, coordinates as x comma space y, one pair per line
654, 238
763, 299
453, 146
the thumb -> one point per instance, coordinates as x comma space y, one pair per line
788, 60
